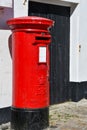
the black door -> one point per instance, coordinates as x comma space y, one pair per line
59, 48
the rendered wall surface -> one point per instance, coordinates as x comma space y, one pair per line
74, 43
20, 8
6, 12
6, 3
8, 9
5, 70
78, 43
83, 41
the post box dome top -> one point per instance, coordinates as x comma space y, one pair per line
30, 22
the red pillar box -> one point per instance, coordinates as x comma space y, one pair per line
30, 56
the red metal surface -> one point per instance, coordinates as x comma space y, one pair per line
31, 22
30, 78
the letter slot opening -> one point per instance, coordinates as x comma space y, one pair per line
42, 38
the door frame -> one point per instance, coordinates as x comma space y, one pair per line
74, 34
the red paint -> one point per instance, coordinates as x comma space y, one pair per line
30, 78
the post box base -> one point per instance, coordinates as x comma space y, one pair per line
29, 119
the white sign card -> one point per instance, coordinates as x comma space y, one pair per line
42, 54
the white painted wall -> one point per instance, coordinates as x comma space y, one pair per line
6, 12
78, 56
6, 3
20, 8
74, 43
83, 41
8, 9
5, 70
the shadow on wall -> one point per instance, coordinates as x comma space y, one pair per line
73, 8
5, 14
10, 45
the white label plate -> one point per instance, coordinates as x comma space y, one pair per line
42, 54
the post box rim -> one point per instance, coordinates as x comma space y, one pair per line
30, 20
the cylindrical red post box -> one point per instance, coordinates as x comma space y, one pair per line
30, 59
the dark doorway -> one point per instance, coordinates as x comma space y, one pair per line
59, 48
